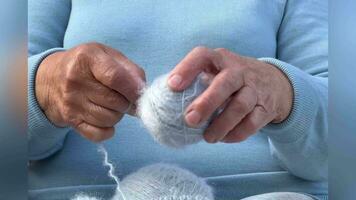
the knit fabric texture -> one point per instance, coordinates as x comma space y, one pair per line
161, 182
280, 196
162, 112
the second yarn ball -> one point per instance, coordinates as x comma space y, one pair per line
162, 112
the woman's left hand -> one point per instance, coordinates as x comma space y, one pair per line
252, 93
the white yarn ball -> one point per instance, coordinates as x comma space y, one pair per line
160, 182
279, 196
165, 182
162, 112
84, 197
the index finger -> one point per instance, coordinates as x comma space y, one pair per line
137, 71
117, 77
222, 87
198, 60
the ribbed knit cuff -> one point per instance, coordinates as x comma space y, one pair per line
304, 105
44, 137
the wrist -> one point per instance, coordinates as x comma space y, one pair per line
284, 96
45, 78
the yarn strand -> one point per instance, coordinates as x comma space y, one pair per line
184, 99
111, 172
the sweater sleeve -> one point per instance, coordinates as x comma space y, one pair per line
47, 23
300, 142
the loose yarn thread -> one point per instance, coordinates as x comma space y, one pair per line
162, 112
111, 172
119, 195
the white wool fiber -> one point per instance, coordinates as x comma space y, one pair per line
111, 172
161, 182
280, 196
84, 197
162, 112
119, 195
165, 182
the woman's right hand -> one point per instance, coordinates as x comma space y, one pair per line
89, 87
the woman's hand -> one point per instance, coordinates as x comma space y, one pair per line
88, 87
252, 93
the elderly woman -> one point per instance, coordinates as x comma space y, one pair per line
268, 67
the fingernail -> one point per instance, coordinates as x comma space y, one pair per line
175, 81
193, 118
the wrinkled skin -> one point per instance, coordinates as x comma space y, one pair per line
250, 92
89, 87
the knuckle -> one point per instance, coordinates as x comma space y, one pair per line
229, 81
112, 76
82, 51
201, 50
207, 102
70, 79
94, 45
80, 58
70, 72
222, 51
111, 72
250, 77
235, 110
242, 105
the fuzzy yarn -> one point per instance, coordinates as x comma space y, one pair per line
85, 197
161, 182
162, 112
279, 196
166, 182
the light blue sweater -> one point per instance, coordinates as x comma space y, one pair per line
291, 34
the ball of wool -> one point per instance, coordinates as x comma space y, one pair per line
84, 197
279, 196
168, 182
160, 181
162, 112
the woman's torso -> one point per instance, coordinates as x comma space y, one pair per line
156, 36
